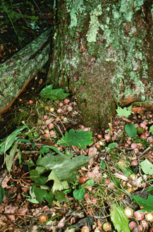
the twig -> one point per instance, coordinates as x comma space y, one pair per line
58, 128
143, 153
16, 214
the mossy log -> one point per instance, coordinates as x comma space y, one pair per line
16, 72
103, 50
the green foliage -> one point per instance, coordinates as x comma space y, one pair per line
44, 149
102, 165
127, 171
79, 193
111, 146
79, 138
21, 18
60, 196
9, 158
119, 219
2, 193
32, 197
146, 203
151, 130
90, 182
130, 129
53, 94
94, 24
58, 185
124, 112
64, 167
42, 194
61, 169
147, 167
140, 130
149, 189
144, 142
9, 140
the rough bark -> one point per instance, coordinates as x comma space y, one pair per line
102, 51
16, 72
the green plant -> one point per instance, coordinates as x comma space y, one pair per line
12, 15
10, 141
2, 193
53, 94
119, 219
126, 111
61, 170
111, 146
146, 203
147, 167
79, 138
130, 129
151, 130
79, 193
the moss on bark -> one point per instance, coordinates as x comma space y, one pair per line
101, 49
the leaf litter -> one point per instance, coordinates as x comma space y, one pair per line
63, 176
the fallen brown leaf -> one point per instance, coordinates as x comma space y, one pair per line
95, 174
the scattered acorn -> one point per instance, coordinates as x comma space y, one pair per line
51, 109
134, 163
149, 217
144, 224
107, 226
48, 121
128, 212
51, 126
43, 218
133, 177
31, 101
82, 179
52, 134
121, 163
138, 215
66, 101
85, 229
132, 225
99, 136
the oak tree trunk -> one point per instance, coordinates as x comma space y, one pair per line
103, 50
17, 72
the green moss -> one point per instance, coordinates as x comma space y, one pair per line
94, 24
113, 37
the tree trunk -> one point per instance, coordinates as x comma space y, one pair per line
17, 72
103, 51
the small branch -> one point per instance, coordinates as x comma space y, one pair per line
143, 153
59, 129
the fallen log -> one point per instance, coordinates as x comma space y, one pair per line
20, 69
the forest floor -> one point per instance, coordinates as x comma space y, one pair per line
58, 175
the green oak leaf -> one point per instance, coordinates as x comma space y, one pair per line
60, 196
79, 138
63, 166
146, 203
58, 185
149, 189
43, 194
